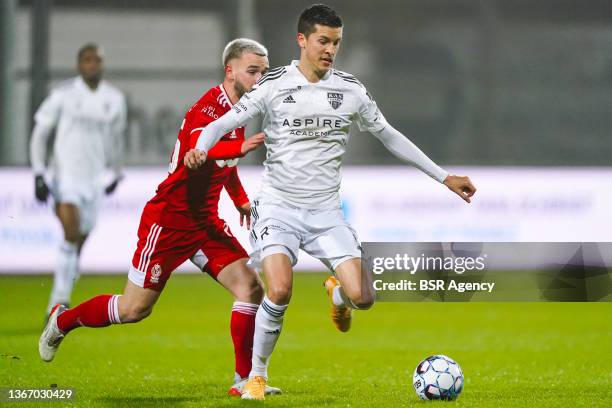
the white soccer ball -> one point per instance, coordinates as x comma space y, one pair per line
438, 377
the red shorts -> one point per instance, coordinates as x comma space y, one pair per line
161, 250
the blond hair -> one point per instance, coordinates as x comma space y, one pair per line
237, 47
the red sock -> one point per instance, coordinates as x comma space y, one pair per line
100, 311
242, 327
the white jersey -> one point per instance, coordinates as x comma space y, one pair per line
90, 124
307, 130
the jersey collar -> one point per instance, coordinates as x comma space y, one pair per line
294, 65
81, 83
223, 97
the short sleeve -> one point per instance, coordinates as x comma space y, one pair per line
49, 111
369, 117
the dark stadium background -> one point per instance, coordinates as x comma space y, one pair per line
473, 82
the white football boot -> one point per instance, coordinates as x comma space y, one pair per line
51, 336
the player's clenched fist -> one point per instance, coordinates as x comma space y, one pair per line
252, 143
194, 159
462, 186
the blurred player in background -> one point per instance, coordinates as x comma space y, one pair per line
89, 116
307, 109
181, 222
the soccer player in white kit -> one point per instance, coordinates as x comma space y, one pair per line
89, 116
307, 110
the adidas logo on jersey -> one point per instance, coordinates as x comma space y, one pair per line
289, 99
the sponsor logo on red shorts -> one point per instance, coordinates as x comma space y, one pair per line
156, 272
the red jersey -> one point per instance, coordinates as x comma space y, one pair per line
188, 199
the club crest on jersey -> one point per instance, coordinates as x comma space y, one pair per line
335, 99
156, 272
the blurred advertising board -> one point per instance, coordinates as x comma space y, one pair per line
384, 204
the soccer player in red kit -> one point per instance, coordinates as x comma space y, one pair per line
181, 222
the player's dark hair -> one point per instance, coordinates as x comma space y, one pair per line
85, 48
318, 14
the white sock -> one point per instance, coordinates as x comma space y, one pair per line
65, 275
338, 296
268, 325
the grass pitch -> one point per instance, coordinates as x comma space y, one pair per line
512, 354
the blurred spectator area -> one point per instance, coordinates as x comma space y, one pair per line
472, 82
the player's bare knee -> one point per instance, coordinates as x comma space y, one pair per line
245, 287
251, 292
255, 292
279, 295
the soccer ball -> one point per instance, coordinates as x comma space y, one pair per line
438, 377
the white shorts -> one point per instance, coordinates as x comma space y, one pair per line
87, 199
282, 228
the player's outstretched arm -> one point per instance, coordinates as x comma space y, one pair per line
210, 135
195, 158
226, 150
236, 117
462, 186
250, 105
404, 149
233, 149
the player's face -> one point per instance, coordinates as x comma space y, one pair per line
246, 71
91, 65
321, 47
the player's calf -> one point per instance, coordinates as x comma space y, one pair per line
133, 312
136, 303
361, 301
355, 288
357, 302
100, 311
